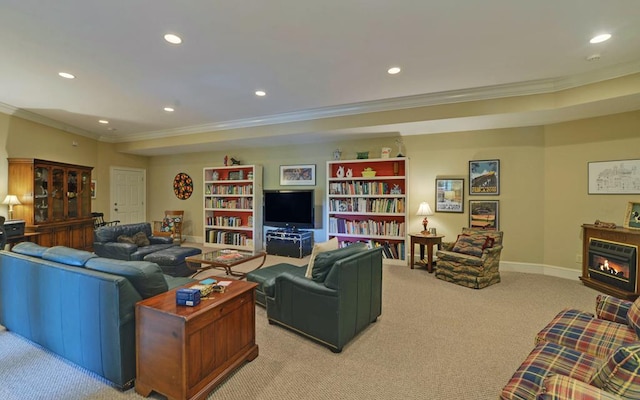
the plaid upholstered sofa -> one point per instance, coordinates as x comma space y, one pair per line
473, 260
579, 355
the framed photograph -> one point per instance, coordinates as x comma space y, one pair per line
614, 177
303, 175
484, 214
234, 175
632, 218
484, 177
93, 188
449, 195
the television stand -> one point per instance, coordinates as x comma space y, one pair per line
289, 242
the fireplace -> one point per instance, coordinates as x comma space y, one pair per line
613, 263
610, 260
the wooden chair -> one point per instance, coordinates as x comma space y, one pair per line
98, 220
171, 225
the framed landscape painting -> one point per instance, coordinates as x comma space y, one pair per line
298, 175
484, 177
484, 214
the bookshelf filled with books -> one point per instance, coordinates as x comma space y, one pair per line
367, 202
233, 207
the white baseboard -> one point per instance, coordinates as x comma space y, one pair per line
541, 269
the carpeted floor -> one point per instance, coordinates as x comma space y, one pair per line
434, 340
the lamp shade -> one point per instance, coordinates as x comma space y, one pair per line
11, 200
424, 209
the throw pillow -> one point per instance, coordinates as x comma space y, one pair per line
146, 277
472, 245
324, 261
125, 239
141, 239
633, 316
619, 374
331, 244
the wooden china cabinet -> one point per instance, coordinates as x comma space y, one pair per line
56, 201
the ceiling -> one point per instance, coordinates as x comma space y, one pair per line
313, 59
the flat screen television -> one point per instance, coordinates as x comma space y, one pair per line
289, 209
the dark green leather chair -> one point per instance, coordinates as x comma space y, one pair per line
341, 300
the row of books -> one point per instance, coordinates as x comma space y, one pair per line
228, 189
243, 203
386, 205
365, 188
368, 227
227, 221
227, 237
390, 250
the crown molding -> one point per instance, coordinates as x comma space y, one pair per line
42, 120
541, 86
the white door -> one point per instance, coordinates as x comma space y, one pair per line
128, 195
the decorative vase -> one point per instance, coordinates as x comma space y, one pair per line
340, 172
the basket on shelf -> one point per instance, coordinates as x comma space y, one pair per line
368, 173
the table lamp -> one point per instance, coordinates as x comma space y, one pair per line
11, 200
424, 210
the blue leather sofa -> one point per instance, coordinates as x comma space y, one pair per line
105, 242
342, 298
78, 305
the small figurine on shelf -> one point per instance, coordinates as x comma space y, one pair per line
340, 172
349, 173
400, 144
234, 161
226, 160
337, 153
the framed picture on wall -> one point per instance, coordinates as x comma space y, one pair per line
632, 218
484, 177
93, 188
484, 214
449, 195
298, 175
614, 177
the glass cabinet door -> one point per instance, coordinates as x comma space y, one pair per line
57, 194
41, 194
84, 193
72, 194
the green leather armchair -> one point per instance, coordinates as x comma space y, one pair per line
332, 311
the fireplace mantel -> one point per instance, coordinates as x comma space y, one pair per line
623, 236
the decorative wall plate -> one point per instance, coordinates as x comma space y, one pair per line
182, 186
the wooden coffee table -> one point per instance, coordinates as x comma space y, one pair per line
224, 259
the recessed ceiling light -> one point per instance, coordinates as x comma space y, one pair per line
600, 38
66, 75
394, 70
261, 93
103, 121
173, 39
169, 109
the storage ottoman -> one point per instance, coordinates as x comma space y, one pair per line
171, 260
266, 277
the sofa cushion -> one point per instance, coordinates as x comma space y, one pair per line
324, 261
331, 244
560, 387
472, 245
620, 374
633, 316
146, 277
66, 255
29, 249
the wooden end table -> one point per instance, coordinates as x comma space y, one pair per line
185, 352
224, 259
425, 240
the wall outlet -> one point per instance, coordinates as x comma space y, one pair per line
579, 258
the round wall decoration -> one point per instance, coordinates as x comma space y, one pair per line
182, 186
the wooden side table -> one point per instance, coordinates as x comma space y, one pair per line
185, 352
425, 240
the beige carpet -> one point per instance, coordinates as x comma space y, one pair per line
434, 340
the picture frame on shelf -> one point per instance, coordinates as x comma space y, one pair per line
450, 195
484, 214
632, 217
94, 185
484, 177
298, 175
234, 175
614, 177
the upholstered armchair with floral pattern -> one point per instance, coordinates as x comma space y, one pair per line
473, 260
